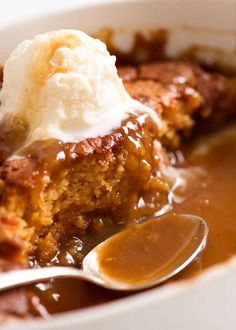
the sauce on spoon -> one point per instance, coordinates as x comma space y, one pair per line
153, 250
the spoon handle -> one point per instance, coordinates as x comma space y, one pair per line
17, 278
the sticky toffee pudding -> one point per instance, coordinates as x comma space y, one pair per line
59, 200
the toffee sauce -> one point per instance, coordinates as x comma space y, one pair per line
211, 196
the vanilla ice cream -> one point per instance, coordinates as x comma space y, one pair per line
64, 85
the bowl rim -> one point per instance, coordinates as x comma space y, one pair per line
157, 294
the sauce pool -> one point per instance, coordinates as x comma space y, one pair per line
210, 195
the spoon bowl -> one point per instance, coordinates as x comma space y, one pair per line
147, 254
137, 258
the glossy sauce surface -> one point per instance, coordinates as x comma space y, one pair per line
213, 196
210, 195
152, 250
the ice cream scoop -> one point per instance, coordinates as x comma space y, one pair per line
64, 85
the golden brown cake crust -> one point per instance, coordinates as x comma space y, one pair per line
173, 88
56, 186
47, 155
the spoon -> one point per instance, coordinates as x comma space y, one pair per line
137, 258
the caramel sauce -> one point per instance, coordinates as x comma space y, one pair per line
212, 196
148, 47
151, 250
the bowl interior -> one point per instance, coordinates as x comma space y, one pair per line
211, 25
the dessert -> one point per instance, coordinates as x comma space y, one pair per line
92, 164
82, 156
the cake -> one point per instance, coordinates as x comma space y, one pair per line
53, 190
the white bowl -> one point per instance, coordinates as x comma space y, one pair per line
208, 301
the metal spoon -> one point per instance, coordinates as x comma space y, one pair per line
187, 235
